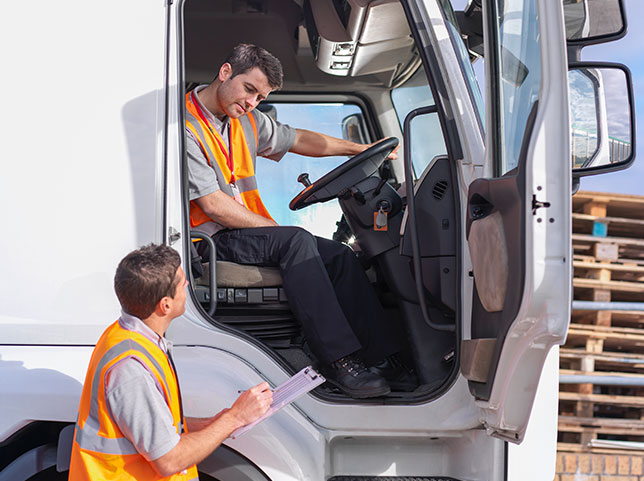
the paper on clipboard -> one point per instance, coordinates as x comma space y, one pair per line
287, 392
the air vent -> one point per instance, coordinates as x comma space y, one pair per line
439, 189
276, 330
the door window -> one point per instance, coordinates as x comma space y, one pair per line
464, 61
277, 181
516, 76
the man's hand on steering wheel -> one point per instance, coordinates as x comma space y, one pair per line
392, 156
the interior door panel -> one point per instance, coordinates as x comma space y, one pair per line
494, 234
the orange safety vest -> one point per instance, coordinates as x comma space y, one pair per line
234, 165
100, 450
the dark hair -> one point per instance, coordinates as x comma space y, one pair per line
246, 56
144, 277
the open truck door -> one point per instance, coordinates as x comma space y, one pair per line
514, 256
518, 218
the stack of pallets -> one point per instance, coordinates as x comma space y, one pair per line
601, 399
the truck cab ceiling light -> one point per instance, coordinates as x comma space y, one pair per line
340, 65
344, 49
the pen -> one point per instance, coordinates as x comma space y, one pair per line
244, 390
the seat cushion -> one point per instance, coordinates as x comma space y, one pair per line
230, 274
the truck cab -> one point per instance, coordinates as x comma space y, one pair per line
465, 236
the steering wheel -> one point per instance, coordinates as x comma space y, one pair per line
344, 176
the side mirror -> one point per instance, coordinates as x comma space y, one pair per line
268, 109
353, 129
594, 21
602, 118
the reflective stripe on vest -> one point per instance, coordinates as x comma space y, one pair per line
244, 154
100, 450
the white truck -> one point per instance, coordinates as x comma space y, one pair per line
474, 264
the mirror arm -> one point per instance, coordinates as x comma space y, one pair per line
575, 184
574, 53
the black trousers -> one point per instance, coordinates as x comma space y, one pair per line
326, 287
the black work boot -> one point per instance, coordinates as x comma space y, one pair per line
352, 377
397, 374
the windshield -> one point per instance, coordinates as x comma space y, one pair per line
279, 180
515, 76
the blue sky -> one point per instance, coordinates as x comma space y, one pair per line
630, 52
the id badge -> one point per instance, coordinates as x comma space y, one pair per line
236, 194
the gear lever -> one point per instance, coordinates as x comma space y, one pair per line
304, 179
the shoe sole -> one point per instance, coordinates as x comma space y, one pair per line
361, 394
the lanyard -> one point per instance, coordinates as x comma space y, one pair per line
228, 154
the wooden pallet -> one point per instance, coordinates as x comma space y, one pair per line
603, 361
608, 261
613, 338
626, 429
612, 205
609, 248
611, 285
615, 226
632, 319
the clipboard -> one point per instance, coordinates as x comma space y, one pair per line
287, 392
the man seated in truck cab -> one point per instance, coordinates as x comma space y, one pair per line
342, 319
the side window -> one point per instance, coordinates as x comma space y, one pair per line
277, 181
426, 134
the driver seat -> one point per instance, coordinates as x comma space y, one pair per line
248, 298
247, 284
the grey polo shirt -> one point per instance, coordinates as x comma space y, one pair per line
273, 142
136, 400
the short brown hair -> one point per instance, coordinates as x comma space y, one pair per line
246, 56
144, 277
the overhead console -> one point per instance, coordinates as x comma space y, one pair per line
358, 37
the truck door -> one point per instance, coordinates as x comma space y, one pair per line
517, 221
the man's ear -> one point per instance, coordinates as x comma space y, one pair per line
225, 72
164, 306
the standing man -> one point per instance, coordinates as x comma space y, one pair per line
130, 422
327, 289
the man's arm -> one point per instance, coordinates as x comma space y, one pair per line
194, 447
197, 424
226, 211
315, 144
